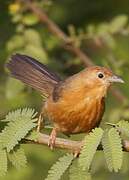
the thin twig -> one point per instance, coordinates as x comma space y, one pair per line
54, 29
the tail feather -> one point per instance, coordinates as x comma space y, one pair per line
32, 73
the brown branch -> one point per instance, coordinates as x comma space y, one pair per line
73, 146
68, 44
70, 145
54, 29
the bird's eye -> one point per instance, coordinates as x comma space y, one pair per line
100, 75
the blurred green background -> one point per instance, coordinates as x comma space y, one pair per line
100, 28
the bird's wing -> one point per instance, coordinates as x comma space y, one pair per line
32, 73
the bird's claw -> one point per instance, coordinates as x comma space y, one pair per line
52, 139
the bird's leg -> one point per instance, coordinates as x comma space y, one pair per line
40, 121
52, 138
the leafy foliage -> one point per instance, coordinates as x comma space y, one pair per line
105, 41
112, 147
17, 157
20, 123
77, 173
15, 90
3, 162
123, 127
32, 135
58, 169
20, 113
118, 23
91, 143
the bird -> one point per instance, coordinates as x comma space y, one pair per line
75, 104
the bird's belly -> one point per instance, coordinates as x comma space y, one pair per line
78, 118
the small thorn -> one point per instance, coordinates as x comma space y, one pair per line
111, 124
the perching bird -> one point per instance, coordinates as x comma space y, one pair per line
74, 105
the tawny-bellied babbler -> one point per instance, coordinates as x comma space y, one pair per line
74, 105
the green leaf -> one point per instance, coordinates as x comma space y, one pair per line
33, 135
91, 30
123, 127
19, 113
30, 19
13, 90
91, 143
36, 52
17, 157
17, 18
77, 173
32, 37
112, 147
58, 169
17, 128
15, 43
118, 23
3, 162
109, 40
102, 29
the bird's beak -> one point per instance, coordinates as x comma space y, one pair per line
115, 78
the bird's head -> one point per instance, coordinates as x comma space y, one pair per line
100, 78
102, 75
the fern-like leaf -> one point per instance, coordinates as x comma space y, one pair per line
123, 127
14, 115
33, 135
17, 157
17, 128
77, 173
58, 169
112, 147
91, 143
3, 162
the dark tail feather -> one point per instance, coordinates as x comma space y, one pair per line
32, 73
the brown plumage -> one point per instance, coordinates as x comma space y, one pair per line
74, 105
33, 73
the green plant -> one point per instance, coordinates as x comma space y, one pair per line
20, 128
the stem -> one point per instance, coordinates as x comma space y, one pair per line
70, 145
111, 124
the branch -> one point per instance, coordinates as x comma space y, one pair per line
54, 29
73, 146
70, 145
68, 44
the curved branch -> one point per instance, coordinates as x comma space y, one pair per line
54, 29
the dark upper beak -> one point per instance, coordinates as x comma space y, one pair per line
115, 78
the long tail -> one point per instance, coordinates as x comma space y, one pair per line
32, 73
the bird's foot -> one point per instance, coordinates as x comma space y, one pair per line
52, 139
76, 153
